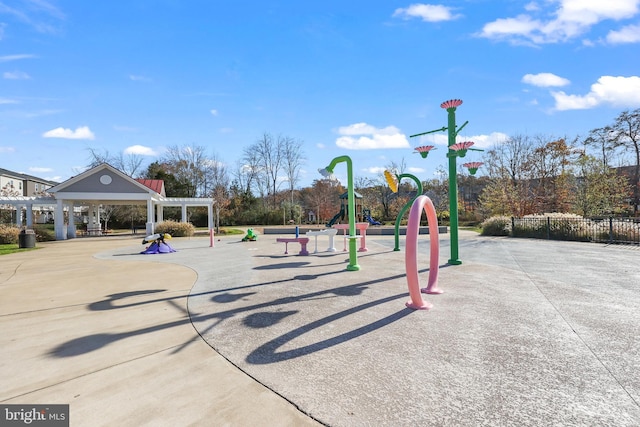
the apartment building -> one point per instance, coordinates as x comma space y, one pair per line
19, 184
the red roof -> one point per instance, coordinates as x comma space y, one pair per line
156, 185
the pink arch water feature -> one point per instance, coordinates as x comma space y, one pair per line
411, 253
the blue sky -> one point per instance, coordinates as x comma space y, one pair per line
349, 78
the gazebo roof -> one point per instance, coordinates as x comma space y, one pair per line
355, 194
156, 185
103, 182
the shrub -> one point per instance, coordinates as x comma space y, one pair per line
8, 234
496, 226
44, 233
176, 229
556, 225
623, 232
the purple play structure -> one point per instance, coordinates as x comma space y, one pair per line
158, 245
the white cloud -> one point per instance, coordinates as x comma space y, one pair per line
140, 150
415, 170
15, 75
616, 91
8, 58
569, 19
37, 14
628, 34
485, 141
427, 12
7, 101
588, 12
544, 80
80, 133
39, 170
214, 112
7, 150
361, 136
431, 139
531, 7
510, 28
40, 113
321, 146
480, 141
356, 129
374, 170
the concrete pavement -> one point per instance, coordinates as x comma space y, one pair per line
528, 332
113, 339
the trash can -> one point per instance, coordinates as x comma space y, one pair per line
27, 239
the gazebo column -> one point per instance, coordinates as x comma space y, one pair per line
58, 221
96, 217
159, 213
149, 224
19, 215
29, 215
94, 226
184, 212
71, 228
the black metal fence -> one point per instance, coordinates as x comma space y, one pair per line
603, 230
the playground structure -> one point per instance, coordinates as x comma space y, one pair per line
411, 253
158, 244
455, 150
361, 214
251, 236
337, 217
394, 181
328, 173
366, 213
420, 203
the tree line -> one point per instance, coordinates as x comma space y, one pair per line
589, 176
522, 175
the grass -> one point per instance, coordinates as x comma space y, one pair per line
231, 231
11, 248
477, 229
224, 231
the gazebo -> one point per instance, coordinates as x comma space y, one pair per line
106, 185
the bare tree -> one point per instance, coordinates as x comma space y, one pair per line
603, 139
627, 135
268, 158
248, 172
190, 165
220, 187
270, 153
550, 163
293, 157
129, 164
509, 169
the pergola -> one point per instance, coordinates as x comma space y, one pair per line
104, 185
